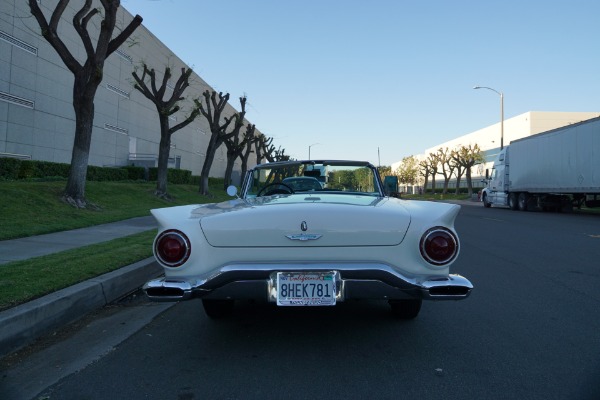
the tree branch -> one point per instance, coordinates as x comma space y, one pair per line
49, 32
186, 122
125, 33
80, 21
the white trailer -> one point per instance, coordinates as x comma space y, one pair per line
555, 170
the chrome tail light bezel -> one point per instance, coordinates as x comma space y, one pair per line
181, 240
440, 237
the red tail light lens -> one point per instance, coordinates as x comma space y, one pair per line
172, 248
439, 246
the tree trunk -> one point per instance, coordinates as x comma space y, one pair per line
469, 182
244, 168
229, 170
83, 105
204, 174
458, 179
163, 157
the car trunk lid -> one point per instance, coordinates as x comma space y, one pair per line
307, 221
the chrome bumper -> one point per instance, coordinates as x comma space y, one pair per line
356, 281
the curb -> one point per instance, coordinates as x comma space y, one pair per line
23, 324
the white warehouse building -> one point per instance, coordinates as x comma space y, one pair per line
488, 139
37, 120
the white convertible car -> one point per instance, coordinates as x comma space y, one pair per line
308, 233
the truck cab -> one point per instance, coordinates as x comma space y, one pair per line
496, 190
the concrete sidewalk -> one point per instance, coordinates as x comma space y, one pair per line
23, 324
35, 246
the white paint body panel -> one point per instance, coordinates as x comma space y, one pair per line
390, 237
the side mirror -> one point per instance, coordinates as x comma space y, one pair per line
232, 191
487, 174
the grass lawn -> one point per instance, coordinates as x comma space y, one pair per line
34, 208
22, 281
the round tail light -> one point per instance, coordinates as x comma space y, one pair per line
172, 248
439, 246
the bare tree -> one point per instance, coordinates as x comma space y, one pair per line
88, 75
458, 168
447, 167
251, 139
269, 152
467, 157
433, 162
165, 108
212, 112
425, 171
261, 147
276, 155
233, 144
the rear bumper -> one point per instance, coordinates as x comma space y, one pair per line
355, 281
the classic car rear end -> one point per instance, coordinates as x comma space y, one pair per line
317, 247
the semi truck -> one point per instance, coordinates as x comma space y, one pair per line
554, 170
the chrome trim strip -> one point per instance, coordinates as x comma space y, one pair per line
453, 287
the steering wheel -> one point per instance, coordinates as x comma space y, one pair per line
282, 189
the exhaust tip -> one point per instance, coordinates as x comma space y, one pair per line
458, 291
165, 292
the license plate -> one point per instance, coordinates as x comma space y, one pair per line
306, 288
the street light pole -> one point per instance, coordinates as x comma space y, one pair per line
314, 144
501, 112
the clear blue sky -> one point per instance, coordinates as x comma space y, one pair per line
394, 75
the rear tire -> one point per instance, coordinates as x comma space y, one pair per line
513, 201
523, 201
405, 309
217, 309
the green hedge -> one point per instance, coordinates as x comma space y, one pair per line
9, 168
101, 174
175, 176
195, 180
15, 169
136, 173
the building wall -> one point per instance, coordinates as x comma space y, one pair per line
488, 138
37, 120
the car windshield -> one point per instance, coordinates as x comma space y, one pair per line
344, 177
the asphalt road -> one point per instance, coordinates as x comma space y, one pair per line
530, 330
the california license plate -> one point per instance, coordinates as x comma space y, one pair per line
306, 289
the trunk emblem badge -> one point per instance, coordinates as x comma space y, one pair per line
304, 236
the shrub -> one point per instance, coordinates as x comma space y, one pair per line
179, 176
135, 173
174, 176
195, 180
15, 169
9, 168
27, 169
101, 174
47, 169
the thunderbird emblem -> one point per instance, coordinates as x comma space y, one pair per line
304, 236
